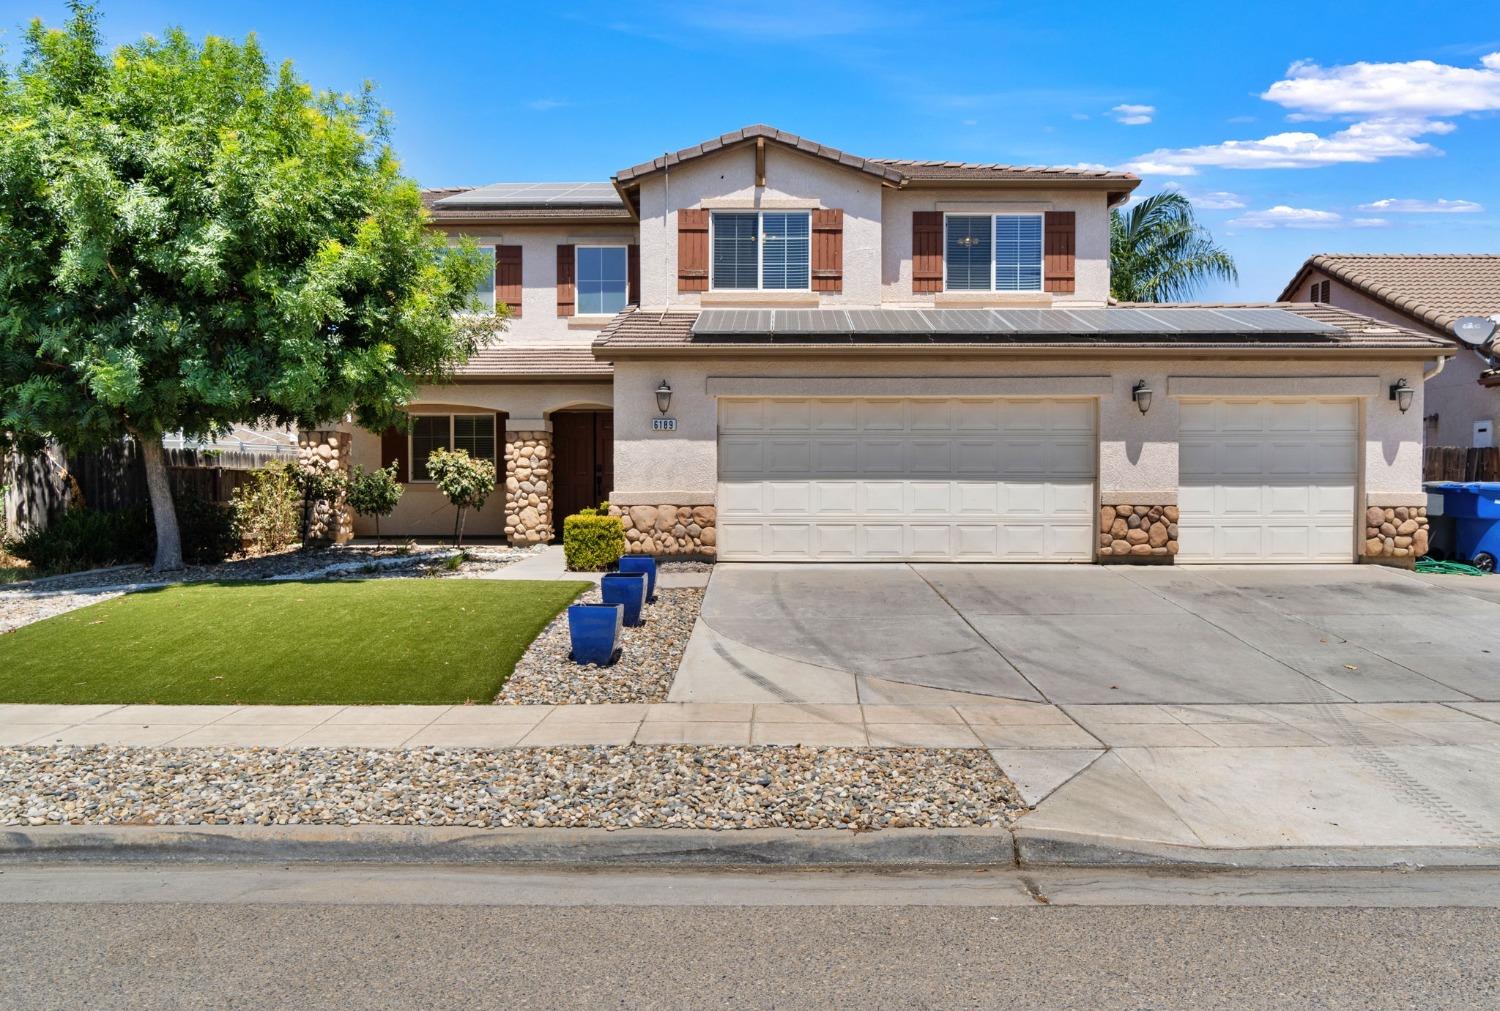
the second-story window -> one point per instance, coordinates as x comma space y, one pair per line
993, 252
602, 280
761, 250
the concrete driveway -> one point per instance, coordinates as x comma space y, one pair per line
1092, 634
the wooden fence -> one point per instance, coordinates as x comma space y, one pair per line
1455, 463
114, 478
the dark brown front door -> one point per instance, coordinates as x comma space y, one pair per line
583, 447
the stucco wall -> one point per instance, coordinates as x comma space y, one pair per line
539, 322
423, 511
727, 180
1455, 395
1091, 277
1137, 453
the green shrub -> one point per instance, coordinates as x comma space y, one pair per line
86, 539
208, 529
268, 510
375, 493
593, 543
465, 480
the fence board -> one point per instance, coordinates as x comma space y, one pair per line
1457, 463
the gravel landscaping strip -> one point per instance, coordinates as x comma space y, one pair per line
580, 787
649, 657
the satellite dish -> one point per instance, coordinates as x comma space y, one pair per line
1475, 331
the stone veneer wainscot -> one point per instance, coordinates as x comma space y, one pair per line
1395, 535
681, 530
1137, 533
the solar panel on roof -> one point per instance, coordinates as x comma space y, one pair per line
1279, 321
1038, 321
1117, 321
887, 322
733, 321
809, 322
962, 321
534, 195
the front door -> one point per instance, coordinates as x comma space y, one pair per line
583, 447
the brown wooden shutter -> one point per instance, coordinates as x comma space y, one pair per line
566, 299
692, 250
393, 446
828, 250
926, 251
508, 278
633, 275
1057, 252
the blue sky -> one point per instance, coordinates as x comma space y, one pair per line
1365, 127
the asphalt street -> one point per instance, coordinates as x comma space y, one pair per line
424, 937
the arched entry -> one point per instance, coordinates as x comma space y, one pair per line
583, 452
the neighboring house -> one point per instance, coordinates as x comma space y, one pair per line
1427, 292
762, 348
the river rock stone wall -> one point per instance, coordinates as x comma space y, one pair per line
1395, 535
329, 521
1137, 532
528, 487
681, 530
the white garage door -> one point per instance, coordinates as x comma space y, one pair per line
1268, 480
971, 479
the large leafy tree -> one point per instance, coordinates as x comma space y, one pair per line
1159, 253
191, 238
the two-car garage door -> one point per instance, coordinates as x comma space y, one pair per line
890, 478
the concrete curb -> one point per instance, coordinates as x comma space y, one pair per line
783, 848
1050, 848
907, 848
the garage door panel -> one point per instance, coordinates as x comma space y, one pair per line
881, 478
1268, 480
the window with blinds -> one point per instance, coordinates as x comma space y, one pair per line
769, 251
992, 252
472, 432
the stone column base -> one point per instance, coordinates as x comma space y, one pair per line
528, 487
1137, 533
1395, 535
328, 521
682, 531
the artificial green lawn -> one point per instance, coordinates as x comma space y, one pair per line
346, 642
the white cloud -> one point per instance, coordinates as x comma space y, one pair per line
1219, 200
1395, 205
1419, 88
1133, 115
1367, 141
1282, 216
1081, 116
546, 104
1392, 107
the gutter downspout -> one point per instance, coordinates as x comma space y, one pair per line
1442, 363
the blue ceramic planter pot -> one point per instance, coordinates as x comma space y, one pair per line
595, 632
646, 564
627, 589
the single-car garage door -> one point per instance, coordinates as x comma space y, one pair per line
878, 479
1268, 480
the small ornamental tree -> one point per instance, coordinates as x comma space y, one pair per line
375, 493
192, 238
466, 481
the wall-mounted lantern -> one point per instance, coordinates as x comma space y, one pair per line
1141, 394
663, 397
1402, 395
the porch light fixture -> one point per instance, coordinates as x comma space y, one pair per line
663, 397
1402, 395
1141, 394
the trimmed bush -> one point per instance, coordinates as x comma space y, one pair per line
209, 532
593, 543
465, 480
86, 539
375, 493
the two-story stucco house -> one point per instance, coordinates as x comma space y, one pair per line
762, 348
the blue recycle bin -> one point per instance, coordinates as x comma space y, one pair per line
627, 589
594, 630
646, 564
1474, 508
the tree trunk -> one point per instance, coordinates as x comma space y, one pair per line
377, 531
163, 512
458, 529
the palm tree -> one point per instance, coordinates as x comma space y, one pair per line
1159, 253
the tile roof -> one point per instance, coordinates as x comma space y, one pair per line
896, 172
1432, 288
535, 361
653, 330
